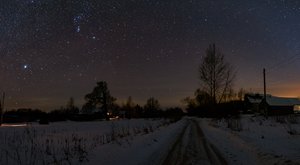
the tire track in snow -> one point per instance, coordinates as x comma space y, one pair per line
191, 148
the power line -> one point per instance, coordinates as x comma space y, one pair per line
279, 65
289, 60
280, 81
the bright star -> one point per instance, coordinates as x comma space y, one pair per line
25, 66
78, 29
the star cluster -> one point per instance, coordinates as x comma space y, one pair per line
52, 50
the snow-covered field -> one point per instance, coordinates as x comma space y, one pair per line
98, 142
142, 141
260, 141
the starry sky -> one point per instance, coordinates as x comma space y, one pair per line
52, 50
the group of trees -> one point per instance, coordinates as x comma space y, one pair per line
215, 97
23, 114
100, 101
99, 105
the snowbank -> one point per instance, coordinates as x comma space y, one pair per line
259, 142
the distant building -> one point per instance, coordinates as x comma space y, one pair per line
252, 102
273, 104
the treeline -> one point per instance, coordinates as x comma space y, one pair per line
99, 105
200, 108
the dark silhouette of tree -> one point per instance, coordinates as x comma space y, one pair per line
138, 110
129, 102
241, 94
198, 104
100, 98
202, 98
152, 104
71, 108
216, 75
70, 104
151, 108
128, 107
88, 108
114, 110
24, 115
190, 103
58, 114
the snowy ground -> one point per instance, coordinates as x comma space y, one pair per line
146, 149
260, 141
152, 142
74, 142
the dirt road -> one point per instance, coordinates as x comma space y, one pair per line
192, 148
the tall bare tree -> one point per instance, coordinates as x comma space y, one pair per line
216, 75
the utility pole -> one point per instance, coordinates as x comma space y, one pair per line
265, 94
264, 72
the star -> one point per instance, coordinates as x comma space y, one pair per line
25, 66
78, 29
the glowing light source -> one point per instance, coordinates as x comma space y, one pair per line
25, 66
78, 29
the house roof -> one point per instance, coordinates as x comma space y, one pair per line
255, 98
282, 101
273, 100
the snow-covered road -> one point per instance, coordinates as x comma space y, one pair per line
177, 144
191, 147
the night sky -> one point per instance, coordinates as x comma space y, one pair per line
52, 50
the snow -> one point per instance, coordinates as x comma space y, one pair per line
260, 141
148, 141
146, 149
109, 142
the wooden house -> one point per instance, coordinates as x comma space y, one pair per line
273, 105
279, 105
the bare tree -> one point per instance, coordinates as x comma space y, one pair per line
70, 104
152, 104
71, 108
241, 94
128, 107
201, 97
216, 75
151, 108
